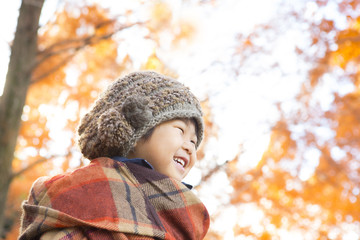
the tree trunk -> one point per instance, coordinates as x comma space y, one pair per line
22, 61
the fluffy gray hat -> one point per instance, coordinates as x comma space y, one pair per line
130, 107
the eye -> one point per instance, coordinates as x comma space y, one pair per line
193, 142
181, 129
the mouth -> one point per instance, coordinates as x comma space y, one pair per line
181, 161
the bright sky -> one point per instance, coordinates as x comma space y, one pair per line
242, 105
241, 109
8, 19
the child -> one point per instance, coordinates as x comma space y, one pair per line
141, 137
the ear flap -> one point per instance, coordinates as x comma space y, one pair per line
114, 131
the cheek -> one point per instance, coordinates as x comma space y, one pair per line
193, 160
161, 152
195, 155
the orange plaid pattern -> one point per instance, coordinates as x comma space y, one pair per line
112, 200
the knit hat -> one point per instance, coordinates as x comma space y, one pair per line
130, 107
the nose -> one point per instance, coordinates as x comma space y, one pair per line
188, 147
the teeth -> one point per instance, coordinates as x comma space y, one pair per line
180, 161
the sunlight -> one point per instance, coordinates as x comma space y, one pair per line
252, 61
4, 60
7, 26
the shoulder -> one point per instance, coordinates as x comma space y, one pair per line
53, 185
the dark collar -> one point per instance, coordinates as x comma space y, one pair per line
142, 162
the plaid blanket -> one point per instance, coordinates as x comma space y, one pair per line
108, 199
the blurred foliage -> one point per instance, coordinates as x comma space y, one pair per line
308, 179
78, 55
81, 51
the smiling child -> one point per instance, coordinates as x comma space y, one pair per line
141, 136
178, 157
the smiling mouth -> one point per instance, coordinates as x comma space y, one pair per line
180, 161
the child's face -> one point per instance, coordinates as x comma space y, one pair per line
170, 149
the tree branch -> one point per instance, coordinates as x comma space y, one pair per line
55, 68
80, 43
211, 172
33, 164
76, 40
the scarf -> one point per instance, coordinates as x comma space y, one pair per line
109, 199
